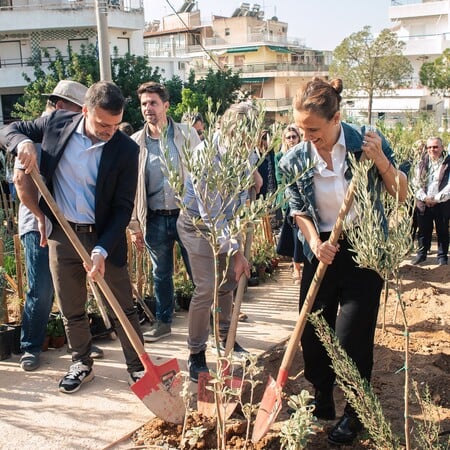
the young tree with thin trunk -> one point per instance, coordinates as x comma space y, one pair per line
371, 65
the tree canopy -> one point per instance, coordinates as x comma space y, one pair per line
436, 74
128, 72
371, 65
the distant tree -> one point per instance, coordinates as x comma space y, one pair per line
222, 86
190, 101
436, 74
371, 65
175, 87
128, 73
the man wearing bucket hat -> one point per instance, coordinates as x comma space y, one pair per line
67, 95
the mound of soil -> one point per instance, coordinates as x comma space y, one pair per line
426, 295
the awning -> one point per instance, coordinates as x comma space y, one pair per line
279, 49
255, 80
243, 49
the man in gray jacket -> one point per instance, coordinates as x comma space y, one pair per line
156, 212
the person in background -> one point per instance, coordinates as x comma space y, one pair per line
315, 199
196, 121
91, 170
126, 128
68, 95
202, 259
289, 244
156, 211
433, 200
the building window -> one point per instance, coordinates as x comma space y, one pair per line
223, 61
8, 101
239, 60
227, 32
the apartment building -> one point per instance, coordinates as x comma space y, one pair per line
271, 65
424, 27
27, 26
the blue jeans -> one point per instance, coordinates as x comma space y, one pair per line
39, 297
160, 236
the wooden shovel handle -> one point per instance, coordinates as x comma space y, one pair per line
313, 289
231, 337
73, 238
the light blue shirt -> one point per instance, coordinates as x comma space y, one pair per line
75, 177
27, 220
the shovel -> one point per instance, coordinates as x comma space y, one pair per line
205, 395
160, 387
271, 402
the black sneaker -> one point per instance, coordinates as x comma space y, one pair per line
96, 352
78, 374
133, 377
418, 259
239, 352
196, 364
29, 361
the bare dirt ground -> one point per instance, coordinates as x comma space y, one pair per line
426, 294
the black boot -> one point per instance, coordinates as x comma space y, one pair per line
324, 404
347, 428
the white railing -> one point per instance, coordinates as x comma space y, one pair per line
21, 5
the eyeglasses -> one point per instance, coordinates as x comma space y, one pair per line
291, 136
432, 146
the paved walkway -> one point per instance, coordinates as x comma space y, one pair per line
34, 415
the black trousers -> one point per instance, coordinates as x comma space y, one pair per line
434, 215
349, 297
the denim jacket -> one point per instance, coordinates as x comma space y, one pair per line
301, 192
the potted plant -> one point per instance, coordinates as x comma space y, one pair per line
263, 252
184, 288
55, 331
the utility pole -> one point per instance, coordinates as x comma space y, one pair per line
101, 10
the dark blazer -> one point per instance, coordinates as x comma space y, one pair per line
116, 180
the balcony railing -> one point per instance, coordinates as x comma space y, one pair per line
122, 5
275, 103
26, 62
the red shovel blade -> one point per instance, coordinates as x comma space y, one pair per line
269, 408
206, 404
160, 389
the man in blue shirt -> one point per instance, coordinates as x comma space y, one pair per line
67, 95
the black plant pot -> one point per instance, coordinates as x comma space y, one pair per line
98, 327
16, 338
6, 341
150, 303
184, 301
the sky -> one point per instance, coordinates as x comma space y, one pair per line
321, 24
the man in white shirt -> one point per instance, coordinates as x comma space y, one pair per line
433, 200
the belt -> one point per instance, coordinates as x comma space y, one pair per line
83, 227
166, 212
